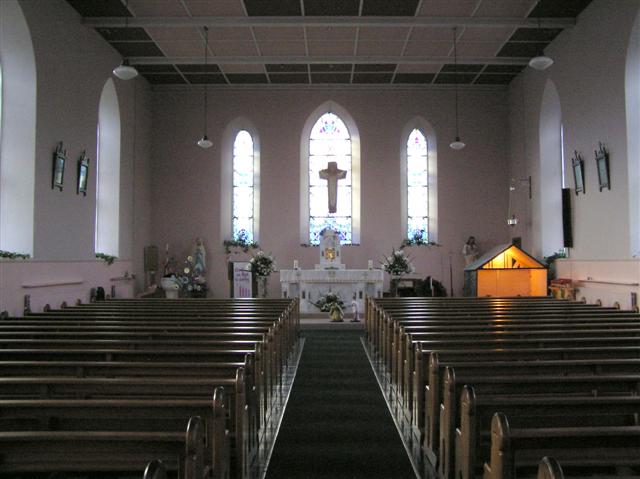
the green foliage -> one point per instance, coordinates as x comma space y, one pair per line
262, 264
107, 258
12, 255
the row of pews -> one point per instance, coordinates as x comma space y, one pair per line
183, 387
492, 385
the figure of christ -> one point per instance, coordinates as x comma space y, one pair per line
332, 174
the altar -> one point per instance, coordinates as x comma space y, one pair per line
309, 284
331, 276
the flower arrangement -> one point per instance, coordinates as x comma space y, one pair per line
241, 241
397, 264
418, 238
326, 301
189, 282
262, 264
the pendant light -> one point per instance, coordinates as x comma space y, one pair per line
540, 62
456, 144
125, 71
204, 142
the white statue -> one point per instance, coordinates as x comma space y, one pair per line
199, 258
332, 174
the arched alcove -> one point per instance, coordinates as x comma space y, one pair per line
425, 130
108, 172
353, 134
551, 170
18, 132
229, 138
632, 96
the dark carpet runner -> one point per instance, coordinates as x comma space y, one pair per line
337, 424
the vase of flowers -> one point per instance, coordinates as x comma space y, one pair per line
262, 265
397, 264
190, 282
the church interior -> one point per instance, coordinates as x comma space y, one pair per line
168, 160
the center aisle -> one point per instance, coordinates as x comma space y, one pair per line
337, 424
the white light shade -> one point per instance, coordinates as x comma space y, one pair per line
540, 63
512, 221
205, 143
457, 144
125, 71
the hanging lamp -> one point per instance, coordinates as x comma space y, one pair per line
125, 71
542, 61
456, 144
204, 142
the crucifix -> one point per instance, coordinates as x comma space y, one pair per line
332, 174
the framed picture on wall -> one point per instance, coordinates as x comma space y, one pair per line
578, 172
602, 162
83, 173
59, 159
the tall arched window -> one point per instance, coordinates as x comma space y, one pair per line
419, 197
329, 142
417, 186
632, 97
18, 134
240, 182
551, 154
108, 172
330, 135
243, 187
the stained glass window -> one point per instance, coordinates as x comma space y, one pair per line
417, 187
329, 141
243, 187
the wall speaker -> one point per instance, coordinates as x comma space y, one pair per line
567, 230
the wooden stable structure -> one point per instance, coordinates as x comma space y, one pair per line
505, 271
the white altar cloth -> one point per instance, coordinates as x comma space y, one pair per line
309, 284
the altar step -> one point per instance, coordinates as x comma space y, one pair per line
337, 424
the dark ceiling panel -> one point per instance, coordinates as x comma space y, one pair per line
331, 67
289, 78
503, 69
402, 8
271, 8
465, 78
123, 34
372, 77
494, 79
137, 49
331, 78
199, 68
331, 7
100, 8
535, 34
155, 68
414, 78
521, 49
203, 78
375, 67
160, 79
559, 8
286, 68
462, 68
247, 78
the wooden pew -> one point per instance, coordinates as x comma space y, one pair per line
583, 448
472, 441
101, 451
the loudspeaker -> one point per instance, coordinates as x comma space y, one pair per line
567, 230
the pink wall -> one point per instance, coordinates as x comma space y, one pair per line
472, 183
72, 63
589, 73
